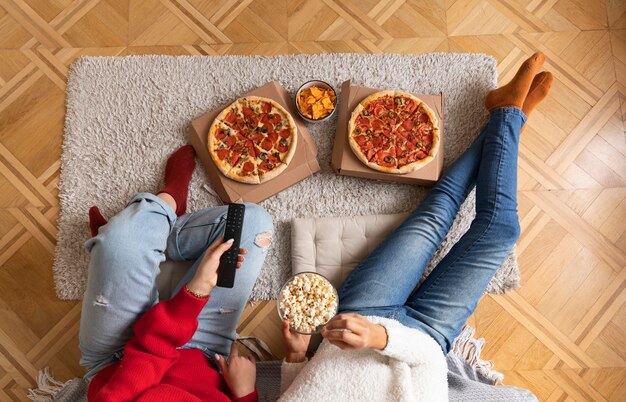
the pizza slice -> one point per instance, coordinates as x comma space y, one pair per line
243, 162
268, 160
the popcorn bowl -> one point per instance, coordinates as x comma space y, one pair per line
308, 300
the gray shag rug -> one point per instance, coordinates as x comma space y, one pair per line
125, 115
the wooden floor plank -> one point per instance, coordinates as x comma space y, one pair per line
562, 335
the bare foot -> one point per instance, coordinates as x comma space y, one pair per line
169, 199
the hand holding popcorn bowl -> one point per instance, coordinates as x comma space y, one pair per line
308, 301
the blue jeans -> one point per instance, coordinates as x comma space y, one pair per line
384, 283
124, 263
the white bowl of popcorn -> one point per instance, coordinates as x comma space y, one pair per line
308, 300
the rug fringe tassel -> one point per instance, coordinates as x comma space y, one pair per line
467, 347
47, 387
247, 342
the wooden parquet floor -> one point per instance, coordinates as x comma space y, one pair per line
563, 335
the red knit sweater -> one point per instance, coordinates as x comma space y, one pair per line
153, 369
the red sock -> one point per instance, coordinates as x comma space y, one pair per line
95, 220
178, 171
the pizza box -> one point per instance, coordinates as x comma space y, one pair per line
344, 162
302, 165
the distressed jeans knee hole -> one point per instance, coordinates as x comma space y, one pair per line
101, 301
263, 240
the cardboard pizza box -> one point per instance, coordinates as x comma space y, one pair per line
302, 165
344, 161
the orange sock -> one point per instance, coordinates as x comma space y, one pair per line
538, 91
514, 93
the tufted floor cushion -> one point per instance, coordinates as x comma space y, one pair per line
333, 246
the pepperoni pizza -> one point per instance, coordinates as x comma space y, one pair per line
393, 132
252, 140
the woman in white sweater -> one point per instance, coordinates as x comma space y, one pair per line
390, 339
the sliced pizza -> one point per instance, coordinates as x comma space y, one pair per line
393, 132
252, 140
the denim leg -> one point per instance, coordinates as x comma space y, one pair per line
385, 278
442, 304
217, 322
123, 265
193, 233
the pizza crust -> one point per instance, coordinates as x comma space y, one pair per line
411, 167
250, 179
384, 169
376, 95
272, 173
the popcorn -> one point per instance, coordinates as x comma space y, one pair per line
307, 301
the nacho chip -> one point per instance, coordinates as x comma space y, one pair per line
318, 111
316, 102
327, 103
316, 91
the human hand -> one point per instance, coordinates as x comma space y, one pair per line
239, 372
296, 344
353, 331
206, 276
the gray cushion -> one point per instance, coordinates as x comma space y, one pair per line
334, 246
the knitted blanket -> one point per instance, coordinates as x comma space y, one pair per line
469, 379
464, 384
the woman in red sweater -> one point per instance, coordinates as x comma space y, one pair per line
137, 348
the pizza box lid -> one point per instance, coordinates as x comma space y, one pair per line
344, 162
302, 165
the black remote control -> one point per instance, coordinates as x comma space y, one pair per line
228, 260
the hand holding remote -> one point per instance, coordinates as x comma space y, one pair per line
228, 260
205, 278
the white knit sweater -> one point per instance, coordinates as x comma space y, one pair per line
411, 368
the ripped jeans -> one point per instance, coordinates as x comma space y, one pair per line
124, 263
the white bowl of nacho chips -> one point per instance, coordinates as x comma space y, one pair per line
316, 101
